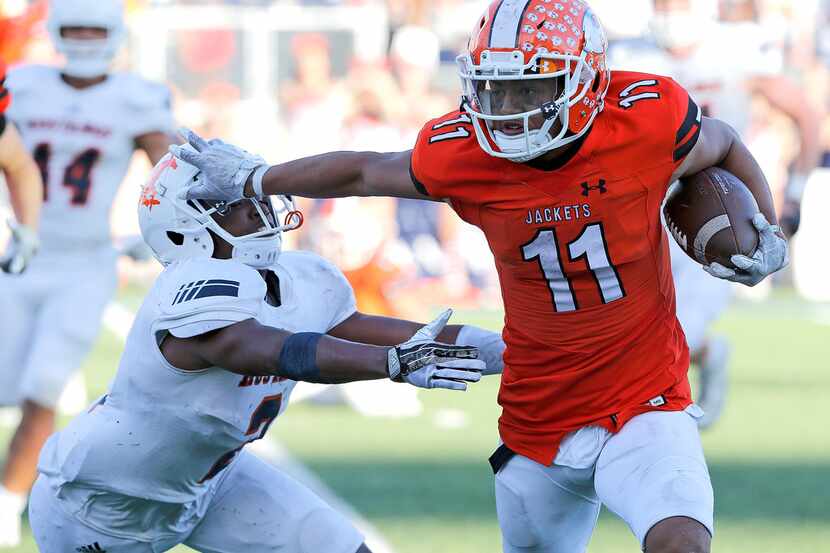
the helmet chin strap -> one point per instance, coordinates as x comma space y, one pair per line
85, 69
518, 143
257, 254
86, 61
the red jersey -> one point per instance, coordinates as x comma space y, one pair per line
5, 97
583, 262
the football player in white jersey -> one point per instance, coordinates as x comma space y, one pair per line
688, 44
82, 124
210, 362
25, 189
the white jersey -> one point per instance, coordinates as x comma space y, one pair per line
716, 76
82, 140
164, 435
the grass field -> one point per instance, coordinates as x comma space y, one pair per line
427, 487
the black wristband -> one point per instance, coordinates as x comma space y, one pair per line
298, 357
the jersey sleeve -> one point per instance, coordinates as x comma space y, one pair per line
441, 144
198, 296
447, 162
685, 120
149, 107
5, 98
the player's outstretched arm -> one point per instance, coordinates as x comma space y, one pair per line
385, 331
719, 145
26, 196
22, 176
231, 172
250, 348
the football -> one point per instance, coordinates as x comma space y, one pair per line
709, 214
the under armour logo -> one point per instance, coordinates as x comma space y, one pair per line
90, 548
550, 109
586, 188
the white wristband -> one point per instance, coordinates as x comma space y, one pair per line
490, 347
256, 183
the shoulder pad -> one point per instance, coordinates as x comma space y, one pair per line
198, 295
329, 283
28, 78
141, 94
308, 265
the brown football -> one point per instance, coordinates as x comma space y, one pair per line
710, 216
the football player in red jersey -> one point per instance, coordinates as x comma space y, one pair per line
25, 189
563, 165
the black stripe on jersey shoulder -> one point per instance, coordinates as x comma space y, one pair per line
419, 186
690, 123
691, 118
684, 150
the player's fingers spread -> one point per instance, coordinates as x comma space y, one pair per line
448, 384
196, 192
434, 328
191, 157
467, 365
454, 374
193, 139
450, 352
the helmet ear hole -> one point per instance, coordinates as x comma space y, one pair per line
175, 237
595, 86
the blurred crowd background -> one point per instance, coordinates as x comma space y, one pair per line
292, 78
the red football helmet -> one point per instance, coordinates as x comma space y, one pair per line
539, 62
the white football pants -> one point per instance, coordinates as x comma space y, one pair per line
651, 470
255, 509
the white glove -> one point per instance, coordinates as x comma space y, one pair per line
225, 167
423, 362
490, 347
22, 247
770, 256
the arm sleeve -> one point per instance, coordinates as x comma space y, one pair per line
205, 295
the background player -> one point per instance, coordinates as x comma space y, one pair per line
596, 404
25, 189
686, 45
82, 124
210, 363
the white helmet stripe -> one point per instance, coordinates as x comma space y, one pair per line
505, 29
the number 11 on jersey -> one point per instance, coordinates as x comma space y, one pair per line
544, 248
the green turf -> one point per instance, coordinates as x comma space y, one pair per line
429, 489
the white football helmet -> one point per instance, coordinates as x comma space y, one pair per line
87, 58
176, 229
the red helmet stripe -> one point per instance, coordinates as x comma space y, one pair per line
505, 29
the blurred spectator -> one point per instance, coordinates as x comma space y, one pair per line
314, 104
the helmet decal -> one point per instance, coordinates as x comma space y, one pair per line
595, 41
528, 40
